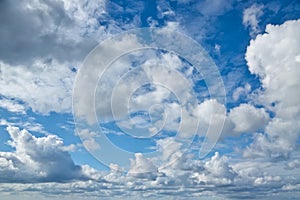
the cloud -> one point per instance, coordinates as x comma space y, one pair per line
219, 168
42, 44
248, 119
241, 92
38, 68
37, 159
88, 139
142, 167
244, 118
190, 177
44, 86
273, 58
251, 17
12, 106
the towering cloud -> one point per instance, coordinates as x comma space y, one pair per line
275, 57
37, 159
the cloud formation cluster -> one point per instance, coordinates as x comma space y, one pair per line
43, 60
45, 159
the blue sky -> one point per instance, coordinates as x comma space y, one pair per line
149, 99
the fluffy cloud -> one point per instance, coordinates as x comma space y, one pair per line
247, 118
37, 66
244, 118
188, 177
142, 167
218, 166
241, 92
37, 159
12, 106
37, 69
44, 86
273, 58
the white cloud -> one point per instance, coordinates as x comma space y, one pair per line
271, 57
212, 118
192, 178
48, 89
170, 149
37, 159
43, 87
87, 82
12, 106
36, 65
241, 119
247, 118
88, 139
219, 168
251, 17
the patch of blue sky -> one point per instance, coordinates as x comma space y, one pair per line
125, 140
132, 144
229, 145
3, 140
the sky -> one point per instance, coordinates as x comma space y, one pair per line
125, 99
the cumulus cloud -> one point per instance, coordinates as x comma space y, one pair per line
88, 139
219, 168
37, 159
241, 91
37, 66
88, 81
189, 177
293, 164
50, 29
142, 167
244, 118
248, 119
272, 57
